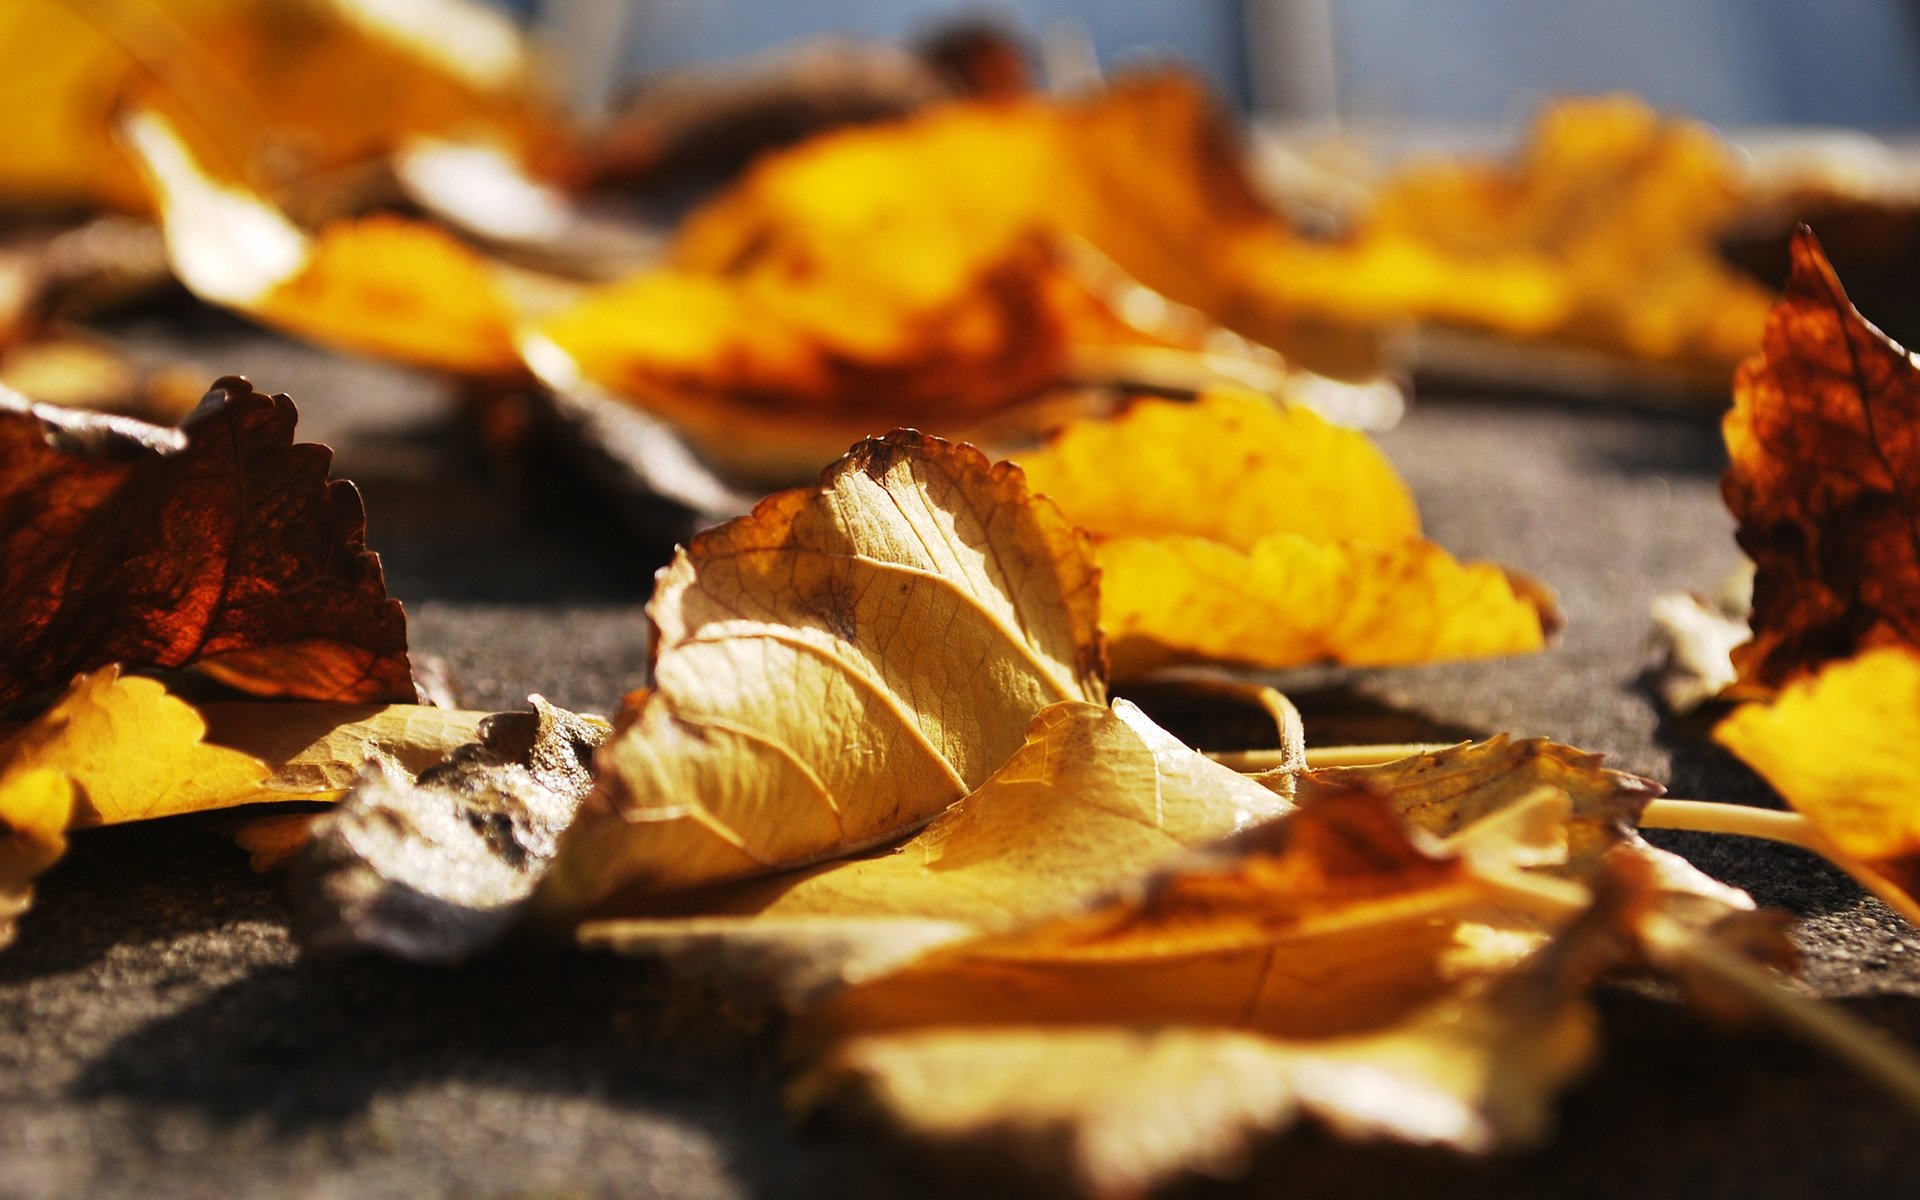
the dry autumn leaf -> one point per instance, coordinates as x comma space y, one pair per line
264, 82
939, 270
1603, 234
220, 545
1824, 470
1326, 964
382, 285
434, 867
1843, 747
1095, 798
1232, 530
837, 668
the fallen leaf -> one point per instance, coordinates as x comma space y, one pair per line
1842, 746
1096, 797
1602, 234
1699, 637
382, 285
220, 545
939, 270
132, 752
765, 367
35, 806
1314, 555
834, 670
1324, 964
260, 80
1823, 477
433, 868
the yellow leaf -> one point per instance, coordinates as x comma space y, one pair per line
133, 752
261, 80
1229, 530
381, 285
1229, 467
1095, 797
837, 668
36, 804
1604, 233
1843, 747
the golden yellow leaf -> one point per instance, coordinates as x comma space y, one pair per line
1096, 797
837, 668
940, 271
1843, 747
1604, 233
132, 752
1229, 467
36, 804
766, 365
264, 82
379, 285
1231, 530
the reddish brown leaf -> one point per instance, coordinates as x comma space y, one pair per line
1824, 438
220, 544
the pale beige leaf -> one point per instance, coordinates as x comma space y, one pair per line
1095, 798
837, 668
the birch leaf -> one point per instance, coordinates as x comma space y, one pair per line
835, 669
1230, 530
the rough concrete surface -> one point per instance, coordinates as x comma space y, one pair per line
161, 1037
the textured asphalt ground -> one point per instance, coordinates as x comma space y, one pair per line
160, 1036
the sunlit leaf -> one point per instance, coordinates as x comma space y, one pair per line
1095, 798
1328, 966
267, 84
381, 285
1603, 233
1825, 467
220, 544
836, 669
1235, 531
1843, 747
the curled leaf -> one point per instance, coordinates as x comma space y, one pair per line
434, 868
1316, 557
220, 544
1096, 797
1824, 478
835, 669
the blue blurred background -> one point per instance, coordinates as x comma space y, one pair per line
1733, 62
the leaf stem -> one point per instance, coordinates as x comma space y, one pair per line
1706, 816
1789, 828
1251, 761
